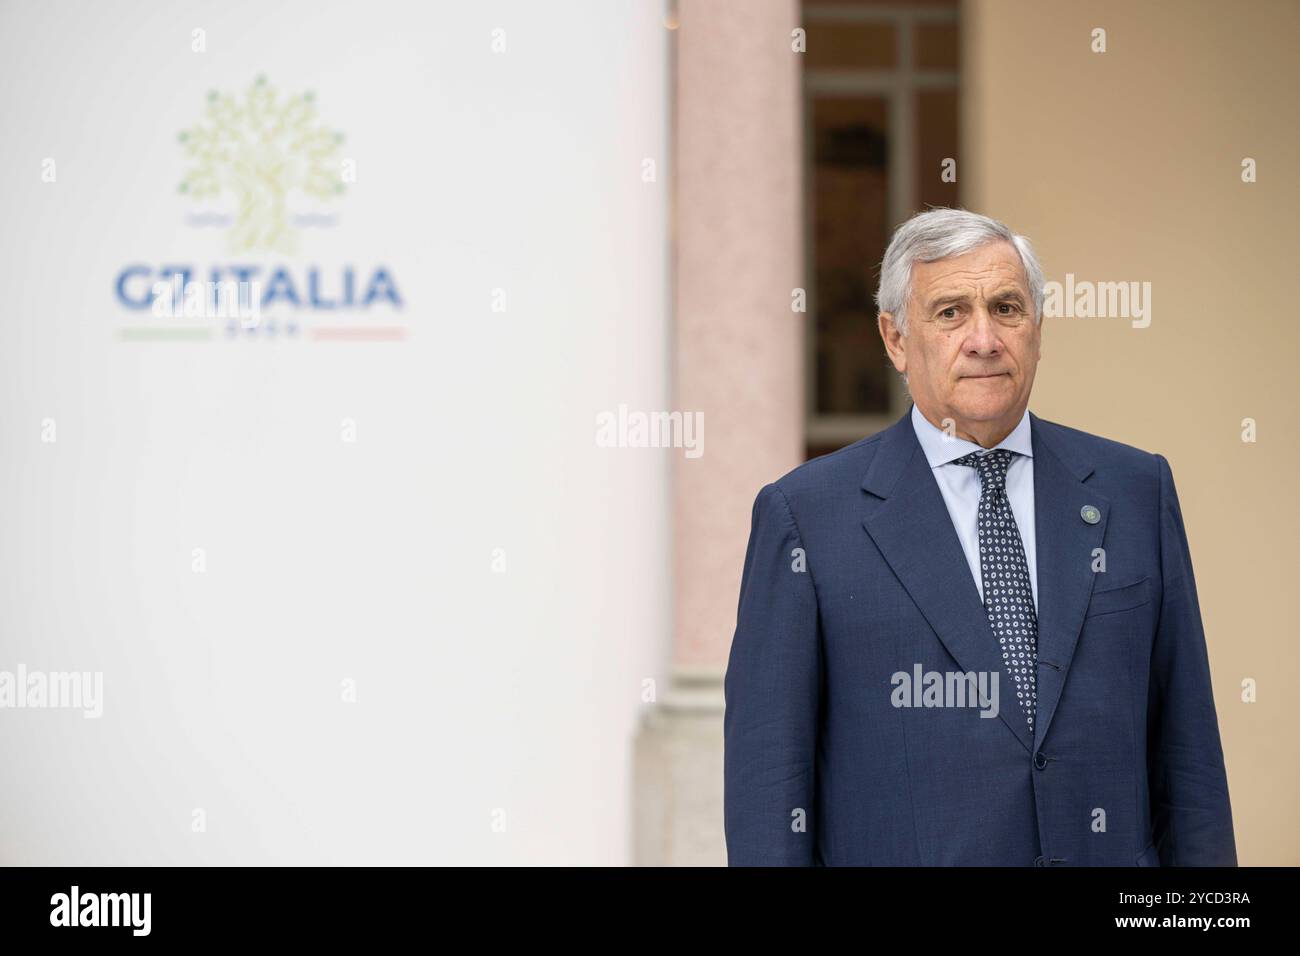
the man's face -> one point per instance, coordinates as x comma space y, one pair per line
972, 345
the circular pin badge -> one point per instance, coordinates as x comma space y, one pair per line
1090, 514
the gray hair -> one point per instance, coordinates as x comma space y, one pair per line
941, 234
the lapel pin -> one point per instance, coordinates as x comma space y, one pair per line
1090, 514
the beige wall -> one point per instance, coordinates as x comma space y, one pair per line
1125, 165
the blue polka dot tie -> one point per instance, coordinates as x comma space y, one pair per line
1008, 598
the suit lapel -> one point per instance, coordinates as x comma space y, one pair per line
910, 524
1065, 545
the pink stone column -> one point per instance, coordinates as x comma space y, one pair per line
739, 349
738, 352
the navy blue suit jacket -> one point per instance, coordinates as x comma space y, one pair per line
854, 573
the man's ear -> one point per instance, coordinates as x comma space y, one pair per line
893, 341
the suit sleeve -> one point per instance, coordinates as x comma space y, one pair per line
1190, 812
772, 689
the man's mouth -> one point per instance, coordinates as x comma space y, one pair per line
989, 375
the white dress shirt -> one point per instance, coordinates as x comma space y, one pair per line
960, 487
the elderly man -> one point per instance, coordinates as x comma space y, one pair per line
974, 638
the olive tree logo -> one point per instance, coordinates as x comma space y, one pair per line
260, 149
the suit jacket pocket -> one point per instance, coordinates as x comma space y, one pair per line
1149, 857
1123, 598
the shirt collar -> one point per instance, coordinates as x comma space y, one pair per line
940, 449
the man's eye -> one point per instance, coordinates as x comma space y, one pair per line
949, 313
1006, 308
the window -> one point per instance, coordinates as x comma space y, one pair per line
881, 116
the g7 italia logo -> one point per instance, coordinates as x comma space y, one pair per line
261, 166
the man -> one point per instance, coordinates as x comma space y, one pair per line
974, 638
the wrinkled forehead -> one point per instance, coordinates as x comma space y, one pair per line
989, 270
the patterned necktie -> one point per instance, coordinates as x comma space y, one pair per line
1008, 599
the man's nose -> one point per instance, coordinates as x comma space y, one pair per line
983, 336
